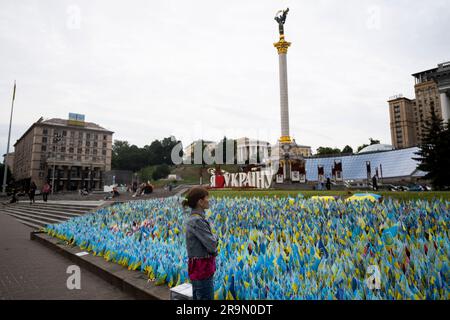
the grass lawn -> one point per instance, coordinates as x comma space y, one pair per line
430, 195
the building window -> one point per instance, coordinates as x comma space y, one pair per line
104, 152
71, 150
63, 149
44, 139
45, 132
104, 144
79, 150
95, 151
104, 137
64, 133
79, 158
88, 135
80, 135
43, 148
95, 144
88, 144
96, 137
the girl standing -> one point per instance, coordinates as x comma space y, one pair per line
201, 245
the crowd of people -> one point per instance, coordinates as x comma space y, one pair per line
141, 189
17, 191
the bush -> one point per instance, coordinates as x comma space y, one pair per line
160, 172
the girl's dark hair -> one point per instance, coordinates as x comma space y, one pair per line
192, 197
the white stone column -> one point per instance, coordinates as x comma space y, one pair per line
445, 106
284, 103
282, 48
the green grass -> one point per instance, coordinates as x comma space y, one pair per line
430, 195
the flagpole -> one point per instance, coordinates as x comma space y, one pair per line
9, 137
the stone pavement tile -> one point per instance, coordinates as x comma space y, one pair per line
29, 270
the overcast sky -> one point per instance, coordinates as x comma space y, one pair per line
204, 69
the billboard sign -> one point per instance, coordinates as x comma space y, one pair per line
76, 119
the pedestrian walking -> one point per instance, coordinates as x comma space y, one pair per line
45, 191
374, 183
328, 185
32, 191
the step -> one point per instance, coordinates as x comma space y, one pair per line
29, 224
52, 208
43, 220
61, 206
46, 220
42, 213
29, 220
32, 208
73, 205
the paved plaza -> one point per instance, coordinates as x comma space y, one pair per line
29, 270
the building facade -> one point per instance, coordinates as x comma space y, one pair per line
403, 122
251, 150
408, 117
75, 154
189, 151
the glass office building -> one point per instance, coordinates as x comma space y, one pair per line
391, 165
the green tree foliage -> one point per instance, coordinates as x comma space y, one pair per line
327, 151
347, 150
434, 153
134, 158
372, 142
9, 178
161, 171
146, 174
362, 147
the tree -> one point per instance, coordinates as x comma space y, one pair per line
327, 151
372, 142
155, 153
134, 158
146, 173
434, 153
362, 147
167, 146
347, 149
9, 178
161, 171
119, 149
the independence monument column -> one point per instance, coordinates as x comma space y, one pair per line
282, 47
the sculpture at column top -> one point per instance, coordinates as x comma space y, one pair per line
280, 17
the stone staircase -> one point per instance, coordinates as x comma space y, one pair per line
40, 214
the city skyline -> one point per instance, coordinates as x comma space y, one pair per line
208, 71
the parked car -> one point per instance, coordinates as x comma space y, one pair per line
416, 188
388, 187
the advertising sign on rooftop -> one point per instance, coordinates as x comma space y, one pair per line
76, 119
